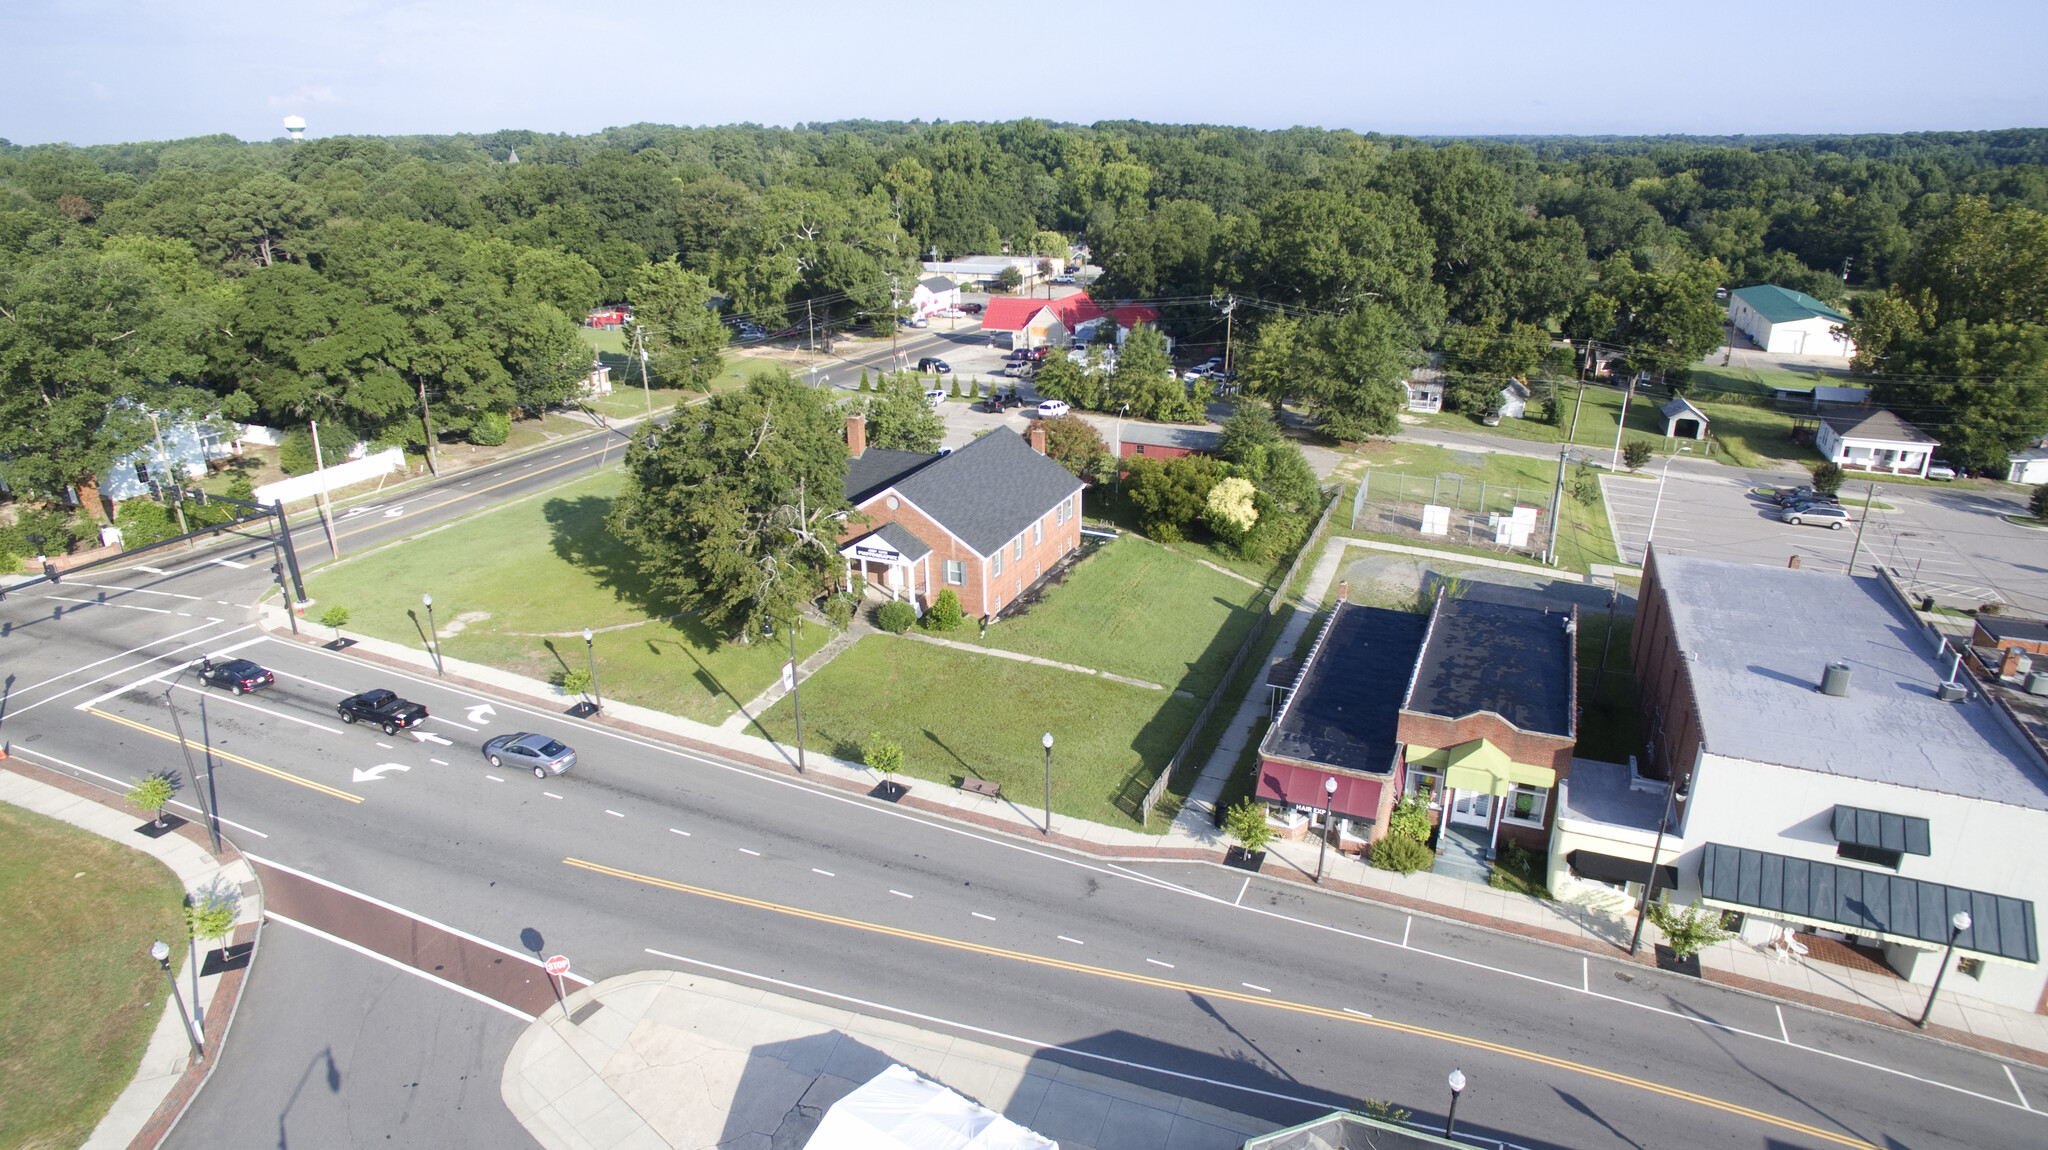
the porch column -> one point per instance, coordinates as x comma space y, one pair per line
1493, 830
849, 576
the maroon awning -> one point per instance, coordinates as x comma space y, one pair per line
1304, 786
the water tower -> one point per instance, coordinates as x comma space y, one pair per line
295, 127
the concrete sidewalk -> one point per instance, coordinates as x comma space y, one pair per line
660, 1059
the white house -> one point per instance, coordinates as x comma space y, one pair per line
600, 380
177, 451
1862, 439
933, 294
984, 269
1782, 320
2029, 466
1827, 789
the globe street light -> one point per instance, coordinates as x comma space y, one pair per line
1659, 504
161, 951
434, 635
1958, 923
1329, 802
1047, 740
592, 652
1457, 1088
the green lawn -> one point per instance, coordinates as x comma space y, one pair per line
515, 586
958, 714
1743, 435
1417, 473
83, 994
613, 342
1135, 608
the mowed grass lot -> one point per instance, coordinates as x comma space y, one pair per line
1584, 537
1132, 608
83, 994
516, 586
1743, 435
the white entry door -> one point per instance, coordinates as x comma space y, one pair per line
1474, 808
895, 579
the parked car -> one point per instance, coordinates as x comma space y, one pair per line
1941, 470
993, 404
1037, 354
1010, 399
934, 366
383, 708
971, 308
949, 313
238, 675
1818, 514
1213, 364
1063, 279
1052, 408
540, 754
1790, 495
752, 331
935, 396
1815, 501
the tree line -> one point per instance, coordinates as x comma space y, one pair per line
413, 289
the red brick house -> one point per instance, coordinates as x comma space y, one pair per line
1165, 440
1472, 707
986, 521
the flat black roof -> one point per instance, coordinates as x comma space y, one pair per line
1346, 710
1517, 662
2012, 627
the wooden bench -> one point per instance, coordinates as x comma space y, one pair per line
982, 787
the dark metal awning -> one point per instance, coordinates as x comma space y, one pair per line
1884, 831
1868, 902
1612, 868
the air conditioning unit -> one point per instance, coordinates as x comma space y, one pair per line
2037, 683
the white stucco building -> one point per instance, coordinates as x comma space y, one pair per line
1786, 321
1873, 439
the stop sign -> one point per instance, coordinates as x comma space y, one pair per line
558, 965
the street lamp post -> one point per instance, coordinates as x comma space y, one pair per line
796, 699
1329, 804
1457, 1088
1659, 504
1673, 795
1958, 923
1047, 740
212, 820
591, 651
161, 951
433, 635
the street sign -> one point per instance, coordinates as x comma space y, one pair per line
789, 676
558, 965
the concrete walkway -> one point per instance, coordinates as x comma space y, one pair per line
168, 1056
660, 1059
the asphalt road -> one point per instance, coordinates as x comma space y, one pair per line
1262, 996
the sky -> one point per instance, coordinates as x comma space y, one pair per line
109, 71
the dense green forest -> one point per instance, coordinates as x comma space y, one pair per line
353, 280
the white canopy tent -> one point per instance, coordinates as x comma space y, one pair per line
897, 1110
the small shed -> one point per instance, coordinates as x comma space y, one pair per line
1514, 400
2029, 466
1683, 421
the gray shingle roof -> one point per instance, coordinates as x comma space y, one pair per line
1679, 406
898, 536
1879, 424
879, 467
989, 490
937, 285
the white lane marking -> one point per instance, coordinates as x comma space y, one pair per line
1156, 962
123, 655
1257, 987
521, 955
185, 614
230, 563
1075, 941
465, 483
124, 787
1586, 975
387, 746
230, 699
900, 894
2016, 1087
1406, 927
224, 602
614, 814
377, 772
494, 778
98, 603
135, 590
1359, 1013
392, 962
551, 794
438, 762
151, 570
674, 831
978, 914
423, 737
745, 851
481, 713
1239, 900
96, 700
1783, 1033
450, 722
826, 873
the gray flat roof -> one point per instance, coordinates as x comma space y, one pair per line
1171, 435
1346, 710
1756, 640
1516, 662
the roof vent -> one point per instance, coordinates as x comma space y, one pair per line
1835, 680
2037, 683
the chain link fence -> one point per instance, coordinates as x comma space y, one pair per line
1393, 503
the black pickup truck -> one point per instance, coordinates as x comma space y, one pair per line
383, 708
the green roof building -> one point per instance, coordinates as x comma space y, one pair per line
1781, 320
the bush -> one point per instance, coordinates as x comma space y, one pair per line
895, 616
295, 453
1246, 823
2037, 503
1230, 511
143, 522
491, 429
1827, 478
1687, 931
956, 389
839, 610
945, 613
1636, 454
575, 681
1410, 820
1402, 853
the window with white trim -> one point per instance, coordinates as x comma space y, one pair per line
996, 564
1038, 533
1017, 546
1426, 783
956, 572
1525, 804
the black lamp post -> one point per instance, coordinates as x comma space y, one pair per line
591, 651
1958, 923
1673, 795
1047, 740
161, 951
1457, 1088
1329, 802
433, 634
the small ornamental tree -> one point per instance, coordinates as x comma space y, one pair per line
882, 755
335, 618
153, 793
1827, 478
575, 681
1009, 278
1636, 454
1229, 511
895, 616
1246, 823
945, 613
210, 911
1688, 931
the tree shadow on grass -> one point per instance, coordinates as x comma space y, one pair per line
578, 534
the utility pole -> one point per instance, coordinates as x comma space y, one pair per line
1229, 327
811, 322
326, 505
894, 325
177, 486
1556, 501
640, 345
1860, 525
1572, 436
1622, 425
427, 422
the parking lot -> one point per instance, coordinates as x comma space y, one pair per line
1952, 547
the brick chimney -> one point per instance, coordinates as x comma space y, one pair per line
1038, 439
856, 435
2009, 664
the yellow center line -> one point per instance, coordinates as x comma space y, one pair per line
217, 753
482, 490
1236, 996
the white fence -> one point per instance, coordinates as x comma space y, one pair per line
340, 475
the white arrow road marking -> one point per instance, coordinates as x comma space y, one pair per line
481, 713
393, 513
230, 563
426, 738
377, 772
151, 570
